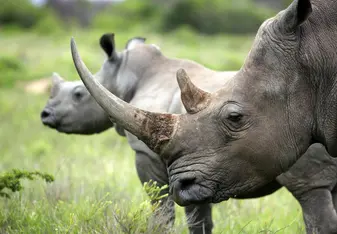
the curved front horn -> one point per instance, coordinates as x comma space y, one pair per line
193, 98
154, 129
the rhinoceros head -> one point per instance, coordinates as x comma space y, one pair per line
239, 138
71, 108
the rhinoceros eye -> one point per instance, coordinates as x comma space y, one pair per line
234, 117
77, 94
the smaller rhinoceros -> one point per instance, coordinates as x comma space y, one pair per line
143, 76
71, 109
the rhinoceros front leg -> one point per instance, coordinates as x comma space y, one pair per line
311, 180
151, 168
199, 218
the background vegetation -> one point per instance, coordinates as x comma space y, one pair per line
96, 189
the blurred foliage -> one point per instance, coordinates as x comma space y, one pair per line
209, 17
126, 15
12, 69
11, 180
50, 24
23, 14
20, 13
216, 16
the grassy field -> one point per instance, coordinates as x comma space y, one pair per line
96, 188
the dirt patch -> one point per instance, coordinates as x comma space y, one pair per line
40, 86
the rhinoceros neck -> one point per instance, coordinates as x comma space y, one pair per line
318, 47
125, 78
319, 58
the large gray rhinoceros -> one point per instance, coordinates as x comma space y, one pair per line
241, 137
144, 77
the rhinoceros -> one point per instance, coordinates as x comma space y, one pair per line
241, 137
135, 76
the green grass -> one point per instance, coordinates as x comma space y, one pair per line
96, 189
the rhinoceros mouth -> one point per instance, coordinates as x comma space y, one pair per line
195, 194
48, 118
186, 191
220, 197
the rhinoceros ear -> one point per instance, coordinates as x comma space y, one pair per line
296, 14
193, 98
134, 41
56, 79
107, 42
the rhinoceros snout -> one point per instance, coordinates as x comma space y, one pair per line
45, 114
184, 191
183, 183
47, 118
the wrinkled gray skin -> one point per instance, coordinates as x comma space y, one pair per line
311, 180
136, 76
259, 124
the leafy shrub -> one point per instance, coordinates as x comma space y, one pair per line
210, 17
49, 24
19, 13
12, 69
11, 180
143, 217
126, 15
154, 191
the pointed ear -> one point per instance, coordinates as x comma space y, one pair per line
56, 79
107, 42
296, 14
155, 46
193, 98
134, 41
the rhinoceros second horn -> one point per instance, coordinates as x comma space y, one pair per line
193, 98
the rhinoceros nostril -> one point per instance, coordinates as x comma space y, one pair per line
187, 182
45, 114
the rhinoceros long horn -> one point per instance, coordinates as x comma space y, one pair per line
154, 129
193, 98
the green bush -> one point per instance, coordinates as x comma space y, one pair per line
11, 180
209, 17
217, 16
144, 217
12, 69
49, 24
126, 15
19, 13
